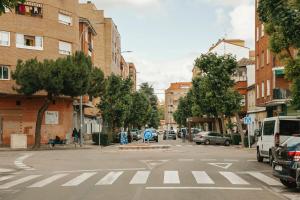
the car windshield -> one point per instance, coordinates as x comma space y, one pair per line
289, 127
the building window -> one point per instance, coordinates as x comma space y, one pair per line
262, 59
29, 42
257, 33
64, 19
262, 30
268, 56
4, 38
65, 48
262, 89
268, 88
257, 62
243, 101
30, 9
257, 91
4, 72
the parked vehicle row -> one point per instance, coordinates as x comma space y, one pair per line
210, 137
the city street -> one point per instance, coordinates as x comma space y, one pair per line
185, 171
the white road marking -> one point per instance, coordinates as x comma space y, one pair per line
231, 160
110, 178
47, 181
265, 179
19, 162
201, 177
208, 160
203, 188
186, 160
140, 177
99, 170
153, 163
19, 181
233, 178
221, 165
4, 178
171, 177
3, 170
79, 179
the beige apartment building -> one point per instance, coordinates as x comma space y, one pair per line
45, 30
172, 96
132, 75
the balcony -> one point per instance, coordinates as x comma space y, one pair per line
280, 93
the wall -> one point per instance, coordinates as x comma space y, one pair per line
226, 48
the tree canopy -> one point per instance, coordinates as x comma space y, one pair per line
9, 4
184, 110
282, 21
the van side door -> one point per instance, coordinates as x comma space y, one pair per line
267, 136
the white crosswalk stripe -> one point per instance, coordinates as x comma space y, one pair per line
140, 177
171, 177
4, 178
234, 179
79, 179
110, 178
263, 178
202, 177
19, 181
47, 181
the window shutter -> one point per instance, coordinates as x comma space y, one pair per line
39, 41
65, 19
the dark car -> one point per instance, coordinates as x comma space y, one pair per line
286, 164
169, 135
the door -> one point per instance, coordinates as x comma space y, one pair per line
268, 136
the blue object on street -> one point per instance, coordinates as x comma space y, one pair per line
247, 120
123, 138
147, 134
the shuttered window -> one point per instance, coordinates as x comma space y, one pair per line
65, 48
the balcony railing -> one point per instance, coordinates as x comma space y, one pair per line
280, 93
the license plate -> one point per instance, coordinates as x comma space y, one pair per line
278, 168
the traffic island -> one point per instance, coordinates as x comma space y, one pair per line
143, 147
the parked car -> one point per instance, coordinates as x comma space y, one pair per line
170, 134
275, 130
209, 137
154, 135
136, 134
182, 131
286, 164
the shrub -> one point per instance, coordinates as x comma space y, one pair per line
103, 139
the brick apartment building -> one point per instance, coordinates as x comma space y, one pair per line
48, 30
172, 96
272, 89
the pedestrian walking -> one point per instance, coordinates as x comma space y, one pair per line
75, 136
183, 135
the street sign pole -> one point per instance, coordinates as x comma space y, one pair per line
249, 144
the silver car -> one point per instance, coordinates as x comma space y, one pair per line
210, 137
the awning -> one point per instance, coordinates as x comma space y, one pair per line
279, 72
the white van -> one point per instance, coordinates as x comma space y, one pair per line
275, 130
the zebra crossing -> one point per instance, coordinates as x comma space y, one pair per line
139, 178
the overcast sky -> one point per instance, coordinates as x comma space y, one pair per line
167, 35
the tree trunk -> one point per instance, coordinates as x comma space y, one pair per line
223, 124
240, 128
217, 124
39, 120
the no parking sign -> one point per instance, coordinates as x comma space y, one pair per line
147, 134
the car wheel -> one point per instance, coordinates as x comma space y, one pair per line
288, 184
207, 142
271, 159
258, 157
227, 143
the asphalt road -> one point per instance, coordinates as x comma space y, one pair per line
185, 171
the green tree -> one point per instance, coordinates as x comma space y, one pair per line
184, 110
213, 93
68, 76
153, 115
138, 111
282, 21
10, 4
116, 102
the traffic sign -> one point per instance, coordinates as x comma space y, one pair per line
247, 120
147, 135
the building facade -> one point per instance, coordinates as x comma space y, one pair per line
272, 89
43, 30
172, 96
132, 75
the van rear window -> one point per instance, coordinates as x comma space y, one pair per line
289, 127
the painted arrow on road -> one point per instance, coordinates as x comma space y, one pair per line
154, 163
221, 165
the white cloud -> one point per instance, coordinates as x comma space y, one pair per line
242, 20
163, 72
129, 3
231, 3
